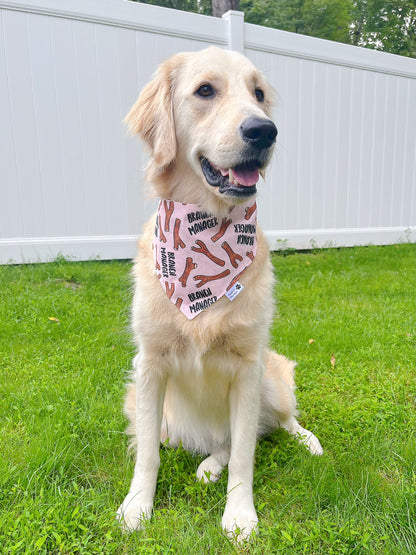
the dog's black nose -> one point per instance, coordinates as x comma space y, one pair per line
260, 133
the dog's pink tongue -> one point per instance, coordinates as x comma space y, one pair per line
245, 176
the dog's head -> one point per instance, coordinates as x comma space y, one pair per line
206, 118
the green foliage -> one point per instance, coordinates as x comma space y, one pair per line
388, 25
328, 19
65, 352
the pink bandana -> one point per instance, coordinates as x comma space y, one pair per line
198, 258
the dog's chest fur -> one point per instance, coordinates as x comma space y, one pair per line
200, 357
196, 408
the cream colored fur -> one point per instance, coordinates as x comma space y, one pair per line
209, 383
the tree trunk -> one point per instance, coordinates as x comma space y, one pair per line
220, 7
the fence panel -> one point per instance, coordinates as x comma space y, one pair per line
71, 181
344, 171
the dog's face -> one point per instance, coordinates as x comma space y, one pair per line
206, 118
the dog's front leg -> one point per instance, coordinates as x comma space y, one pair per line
240, 518
150, 393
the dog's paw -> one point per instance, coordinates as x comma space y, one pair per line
308, 439
132, 514
239, 524
209, 470
314, 445
305, 437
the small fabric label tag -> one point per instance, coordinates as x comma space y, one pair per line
234, 291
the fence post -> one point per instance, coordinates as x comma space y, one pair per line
235, 30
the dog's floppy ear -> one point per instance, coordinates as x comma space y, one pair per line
151, 117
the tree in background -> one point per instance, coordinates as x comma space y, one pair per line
329, 19
220, 7
388, 25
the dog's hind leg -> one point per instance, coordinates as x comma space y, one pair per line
210, 468
278, 402
303, 436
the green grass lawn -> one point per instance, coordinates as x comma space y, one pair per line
347, 316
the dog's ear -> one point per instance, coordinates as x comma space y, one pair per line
151, 117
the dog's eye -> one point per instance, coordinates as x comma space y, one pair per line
205, 91
259, 95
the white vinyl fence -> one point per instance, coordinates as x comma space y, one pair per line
344, 172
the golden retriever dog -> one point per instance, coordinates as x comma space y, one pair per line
203, 376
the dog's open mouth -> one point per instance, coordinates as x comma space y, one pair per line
239, 181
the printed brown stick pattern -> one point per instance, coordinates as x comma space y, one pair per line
189, 266
170, 289
233, 256
161, 234
249, 211
168, 213
206, 259
203, 280
203, 249
224, 226
177, 241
